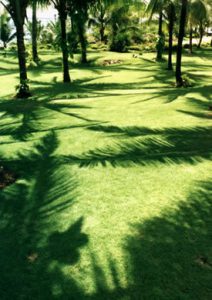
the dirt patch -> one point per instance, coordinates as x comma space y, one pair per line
109, 62
6, 177
203, 261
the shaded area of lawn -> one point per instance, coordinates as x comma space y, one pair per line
29, 115
41, 239
170, 257
172, 145
31, 246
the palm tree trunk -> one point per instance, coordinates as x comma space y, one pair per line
21, 53
201, 31
83, 42
183, 15
64, 48
34, 32
160, 32
190, 39
5, 48
24, 89
18, 14
160, 24
102, 24
102, 32
171, 27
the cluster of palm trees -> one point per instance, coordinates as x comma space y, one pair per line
194, 12
17, 9
176, 13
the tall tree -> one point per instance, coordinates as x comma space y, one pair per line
171, 13
6, 34
165, 9
34, 31
197, 16
156, 7
100, 17
17, 10
79, 14
62, 7
182, 26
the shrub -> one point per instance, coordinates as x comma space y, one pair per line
120, 42
187, 81
134, 48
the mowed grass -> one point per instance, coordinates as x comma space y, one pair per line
113, 197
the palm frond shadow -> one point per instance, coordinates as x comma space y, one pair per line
28, 116
167, 257
190, 145
29, 211
198, 108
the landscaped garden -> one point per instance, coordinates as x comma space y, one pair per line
113, 181
105, 182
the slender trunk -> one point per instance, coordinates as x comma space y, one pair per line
160, 24
34, 32
23, 91
102, 25
183, 15
21, 53
102, 32
191, 39
201, 32
171, 27
64, 48
5, 48
83, 42
160, 33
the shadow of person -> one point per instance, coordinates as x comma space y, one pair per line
47, 279
61, 249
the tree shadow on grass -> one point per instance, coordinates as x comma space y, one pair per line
199, 109
27, 117
189, 145
32, 249
167, 257
172, 94
170, 256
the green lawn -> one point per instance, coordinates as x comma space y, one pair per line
113, 197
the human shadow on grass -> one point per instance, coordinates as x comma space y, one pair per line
169, 257
32, 249
168, 146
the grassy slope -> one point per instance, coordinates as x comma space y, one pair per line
112, 200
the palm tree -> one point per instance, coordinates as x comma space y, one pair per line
79, 14
171, 13
197, 16
157, 6
203, 19
165, 8
17, 10
6, 34
34, 31
78, 11
100, 17
182, 25
62, 7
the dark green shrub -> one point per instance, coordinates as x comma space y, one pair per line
120, 42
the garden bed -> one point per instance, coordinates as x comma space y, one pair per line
7, 177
